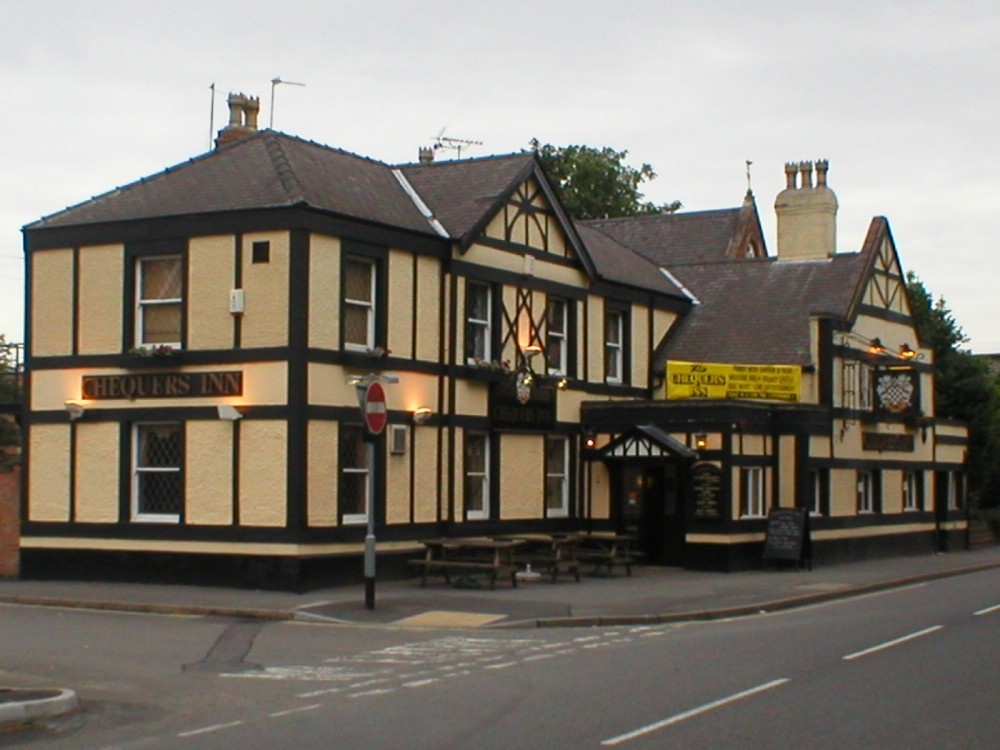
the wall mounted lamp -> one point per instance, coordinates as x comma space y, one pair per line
229, 413
909, 354
74, 409
876, 347
700, 441
532, 351
421, 414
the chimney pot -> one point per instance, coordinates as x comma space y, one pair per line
806, 168
822, 165
425, 155
791, 172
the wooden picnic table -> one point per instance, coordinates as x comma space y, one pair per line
605, 550
445, 555
552, 553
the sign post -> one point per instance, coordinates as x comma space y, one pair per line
371, 399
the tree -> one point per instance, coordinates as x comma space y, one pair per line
963, 389
10, 397
596, 183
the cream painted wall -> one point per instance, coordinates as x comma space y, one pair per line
211, 264
265, 322
397, 482
786, 471
892, 491
322, 480
324, 291
843, 492
208, 472
263, 456
97, 458
595, 339
522, 476
48, 472
639, 363
424, 445
401, 290
102, 269
429, 306
52, 309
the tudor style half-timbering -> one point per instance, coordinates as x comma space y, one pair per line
800, 381
195, 338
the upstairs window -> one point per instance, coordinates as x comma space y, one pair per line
359, 303
159, 301
557, 336
478, 322
866, 387
614, 346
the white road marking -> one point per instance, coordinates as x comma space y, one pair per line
213, 728
378, 691
421, 683
988, 610
894, 642
299, 710
316, 693
656, 726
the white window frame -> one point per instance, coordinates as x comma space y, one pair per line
819, 478
142, 303
369, 306
480, 477
866, 390
754, 500
138, 471
561, 475
866, 491
350, 519
479, 326
557, 338
614, 360
911, 491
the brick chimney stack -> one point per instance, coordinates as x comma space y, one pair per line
426, 155
807, 215
243, 111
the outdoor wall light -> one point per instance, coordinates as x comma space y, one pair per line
876, 347
589, 439
228, 412
532, 351
421, 414
700, 441
909, 354
562, 384
74, 409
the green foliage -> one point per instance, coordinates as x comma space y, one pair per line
963, 389
10, 393
596, 183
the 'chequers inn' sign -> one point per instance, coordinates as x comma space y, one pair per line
162, 385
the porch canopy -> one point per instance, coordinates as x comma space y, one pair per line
643, 441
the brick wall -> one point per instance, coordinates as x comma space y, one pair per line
10, 522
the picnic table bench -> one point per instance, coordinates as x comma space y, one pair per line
551, 553
494, 557
605, 550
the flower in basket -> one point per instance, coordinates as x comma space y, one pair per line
493, 365
163, 350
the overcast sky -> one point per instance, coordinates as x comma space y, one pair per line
901, 97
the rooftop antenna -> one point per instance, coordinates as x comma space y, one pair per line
274, 82
211, 118
456, 144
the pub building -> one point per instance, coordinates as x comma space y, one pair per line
195, 339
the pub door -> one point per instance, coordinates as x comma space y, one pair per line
651, 510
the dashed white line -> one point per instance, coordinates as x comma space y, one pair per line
988, 610
421, 683
655, 726
503, 665
316, 693
212, 728
894, 642
299, 710
377, 691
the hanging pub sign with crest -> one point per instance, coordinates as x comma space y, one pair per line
897, 391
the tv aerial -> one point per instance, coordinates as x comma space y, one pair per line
454, 144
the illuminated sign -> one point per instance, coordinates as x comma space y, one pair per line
162, 385
717, 380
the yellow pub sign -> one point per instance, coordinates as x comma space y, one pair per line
718, 380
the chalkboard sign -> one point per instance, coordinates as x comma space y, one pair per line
787, 536
706, 488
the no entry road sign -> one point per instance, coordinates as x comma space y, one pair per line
373, 408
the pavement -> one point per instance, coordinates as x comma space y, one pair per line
650, 595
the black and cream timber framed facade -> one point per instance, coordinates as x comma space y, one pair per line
190, 340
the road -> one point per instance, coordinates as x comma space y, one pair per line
910, 668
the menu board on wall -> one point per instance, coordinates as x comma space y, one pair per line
706, 491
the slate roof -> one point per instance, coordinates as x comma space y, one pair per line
674, 239
757, 311
460, 192
265, 170
615, 262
